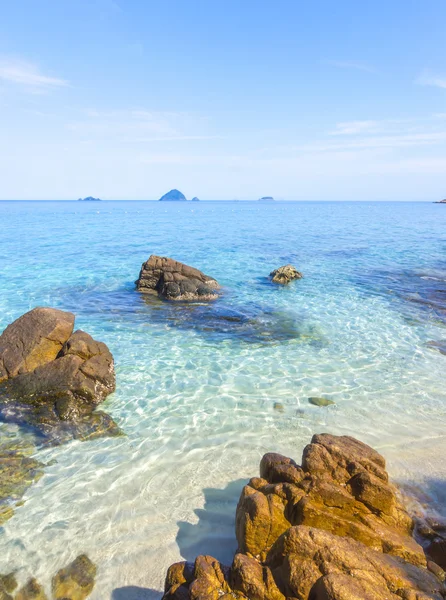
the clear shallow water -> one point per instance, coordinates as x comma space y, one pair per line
196, 386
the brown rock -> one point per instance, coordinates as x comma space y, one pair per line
8, 582
341, 457
276, 468
285, 274
330, 554
61, 378
332, 529
31, 591
437, 552
173, 280
259, 520
76, 581
253, 580
33, 339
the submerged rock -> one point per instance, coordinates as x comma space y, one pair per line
18, 471
8, 583
440, 345
76, 581
31, 591
320, 401
174, 280
285, 274
331, 529
50, 375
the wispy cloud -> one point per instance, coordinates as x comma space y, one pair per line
351, 64
28, 75
433, 79
139, 125
355, 127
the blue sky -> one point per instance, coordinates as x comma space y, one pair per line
223, 99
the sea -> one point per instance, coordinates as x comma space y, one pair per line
204, 390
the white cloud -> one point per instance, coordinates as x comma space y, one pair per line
355, 127
351, 64
28, 75
429, 78
139, 125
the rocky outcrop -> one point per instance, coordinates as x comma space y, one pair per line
332, 528
173, 196
285, 274
52, 378
173, 280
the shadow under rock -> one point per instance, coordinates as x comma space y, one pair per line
132, 592
423, 291
214, 533
221, 320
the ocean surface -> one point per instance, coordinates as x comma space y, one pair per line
204, 390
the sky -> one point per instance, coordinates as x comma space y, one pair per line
223, 99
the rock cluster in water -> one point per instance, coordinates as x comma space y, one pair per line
52, 379
330, 529
285, 274
74, 582
174, 280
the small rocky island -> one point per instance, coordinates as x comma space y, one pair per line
285, 274
173, 196
89, 199
332, 528
195, 199
52, 378
266, 199
173, 280
440, 201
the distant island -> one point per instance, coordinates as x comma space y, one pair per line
266, 199
440, 202
195, 199
173, 196
89, 199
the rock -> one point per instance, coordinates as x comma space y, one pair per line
76, 581
437, 551
320, 401
8, 583
52, 376
173, 280
302, 556
266, 199
285, 274
174, 196
89, 199
440, 202
439, 345
18, 470
31, 591
331, 529
195, 199
33, 340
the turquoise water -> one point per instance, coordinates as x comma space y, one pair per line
203, 391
